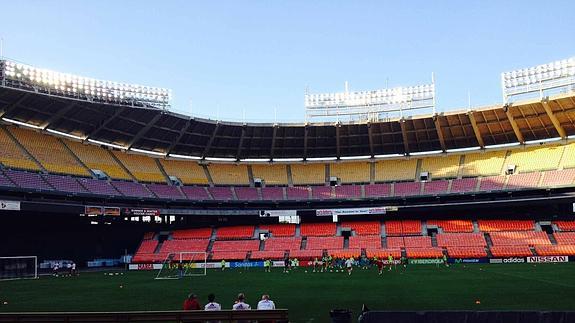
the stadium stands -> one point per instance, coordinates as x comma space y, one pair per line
558, 178
529, 238
318, 229
267, 254
535, 159
511, 251
235, 245
279, 230
378, 190
144, 169
424, 253
12, 155
522, 181
565, 238
463, 185
363, 227
492, 183
131, 189
189, 173
308, 174
271, 174
461, 240
484, 164
565, 225
366, 242
238, 232
407, 188
394, 242
49, 151
403, 227
345, 253
298, 193
99, 187
569, 156
273, 193
222, 193
555, 250
347, 191
417, 242
28, 180
95, 157
505, 225
452, 225
165, 191
183, 245
306, 254
247, 193
357, 172
324, 243
466, 252
5, 181
196, 193
283, 243
383, 253
441, 167
435, 187
228, 255
64, 183
202, 233
321, 192
395, 170
145, 252
226, 174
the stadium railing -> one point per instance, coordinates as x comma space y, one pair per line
280, 315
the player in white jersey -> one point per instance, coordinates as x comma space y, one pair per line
212, 305
266, 303
349, 265
240, 304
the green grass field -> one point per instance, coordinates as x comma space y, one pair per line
309, 296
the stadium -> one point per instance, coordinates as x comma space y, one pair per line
115, 207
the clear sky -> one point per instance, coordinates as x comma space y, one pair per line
227, 57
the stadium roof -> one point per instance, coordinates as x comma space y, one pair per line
166, 132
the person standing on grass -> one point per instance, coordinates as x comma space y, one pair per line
73, 271
380, 265
212, 305
266, 303
390, 260
240, 304
223, 264
349, 265
191, 303
445, 260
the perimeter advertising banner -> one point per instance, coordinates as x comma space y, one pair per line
140, 212
468, 260
544, 259
277, 213
351, 211
9, 205
427, 261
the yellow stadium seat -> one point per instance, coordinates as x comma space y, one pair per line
484, 164
188, 172
271, 174
535, 159
225, 174
143, 168
308, 174
49, 151
12, 156
395, 170
95, 157
350, 172
442, 166
569, 156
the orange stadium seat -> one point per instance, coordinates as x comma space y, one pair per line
383, 253
363, 227
466, 252
555, 250
529, 238
229, 255
424, 252
452, 225
505, 225
461, 240
345, 253
202, 233
226, 174
236, 245
279, 230
366, 242
237, 232
324, 243
317, 229
511, 251
417, 242
565, 238
284, 243
565, 225
394, 242
403, 227
175, 246
271, 174
269, 254
143, 168
188, 172
306, 254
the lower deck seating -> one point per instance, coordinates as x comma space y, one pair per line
403, 227
228, 255
145, 252
318, 229
267, 254
221, 193
417, 242
306, 254
377, 190
237, 232
363, 227
424, 252
201, 233
383, 253
555, 250
461, 240
5, 181
196, 193
279, 230
452, 225
236, 245
347, 191
131, 189
321, 192
407, 188
273, 193
184, 245
64, 183
558, 178
99, 187
511, 251
435, 187
529, 238
565, 225
463, 185
565, 238
466, 252
298, 193
246, 193
505, 225
492, 183
324, 243
28, 180
345, 253
165, 191
366, 242
283, 244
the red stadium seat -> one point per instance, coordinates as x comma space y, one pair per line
279, 230
345, 253
238, 232
461, 240
466, 252
363, 227
529, 238
236, 245
202, 233
383, 253
403, 227
268, 254
506, 225
511, 251
555, 250
318, 229
424, 252
452, 225
565, 225
283, 243
565, 238
367, 242
417, 242
324, 243
228, 255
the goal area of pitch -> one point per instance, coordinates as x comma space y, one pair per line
21, 267
183, 264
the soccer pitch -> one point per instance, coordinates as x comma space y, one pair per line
309, 296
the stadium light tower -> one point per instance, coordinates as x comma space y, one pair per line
21, 76
558, 76
370, 105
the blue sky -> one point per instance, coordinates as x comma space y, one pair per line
236, 58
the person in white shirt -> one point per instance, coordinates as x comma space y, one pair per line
74, 269
212, 305
349, 264
240, 304
266, 303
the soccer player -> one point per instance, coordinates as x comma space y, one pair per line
390, 260
266, 303
212, 305
287, 264
267, 265
223, 263
315, 264
55, 269
445, 260
74, 269
240, 304
349, 265
380, 265
191, 303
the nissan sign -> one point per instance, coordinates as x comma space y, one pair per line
544, 259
